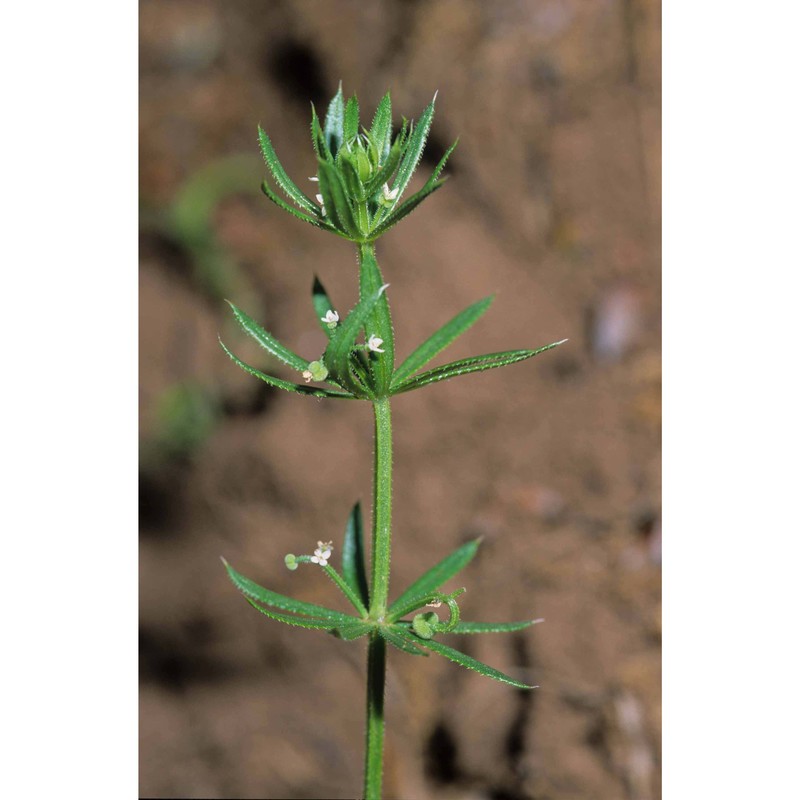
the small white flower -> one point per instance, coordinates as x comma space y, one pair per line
307, 375
374, 343
314, 178
331, 317
389, 194
322, 553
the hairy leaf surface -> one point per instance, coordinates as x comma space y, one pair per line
268, 341
430, 348
468, 365
281, 178
269, 598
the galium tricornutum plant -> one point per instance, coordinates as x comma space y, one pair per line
362, 175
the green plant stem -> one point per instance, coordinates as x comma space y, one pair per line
376, 679
382, 509
381, 555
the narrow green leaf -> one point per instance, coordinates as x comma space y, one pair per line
351, 182
275, 600
441, 339
437, 575
351, 118
334, 123
440, 166
337, 355
467, 365
318, 138
337, 205
289, 619
313, 391
267, 341
416, 144
322, 305
352, 631
465, 661
381, 130
315, 221
379, 322
391, 634
281, 178
494, 627
353, 556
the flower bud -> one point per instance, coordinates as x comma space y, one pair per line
318, 370
425, 625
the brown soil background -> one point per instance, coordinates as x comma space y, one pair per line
553, 204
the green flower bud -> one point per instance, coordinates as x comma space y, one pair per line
291, 561
424, 625
363, 165
317, 371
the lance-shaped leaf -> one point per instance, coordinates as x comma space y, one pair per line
313, 391
395, 638
468, 365
337, 206
351, 118
463, 659
353, 555
318, 137
334, 123
268, 341
381, 130
322, 305
291, 619
281, 178
413, 153
337, 355
440, 166
441, 339
315, 221
274, 600
437, 575
351, 183
493, 627
379, 322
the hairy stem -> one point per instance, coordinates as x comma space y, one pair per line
382, 509
376, 678
381, 554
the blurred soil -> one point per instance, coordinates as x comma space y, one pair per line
553, 204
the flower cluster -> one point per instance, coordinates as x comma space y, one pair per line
361, 173
322, 553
